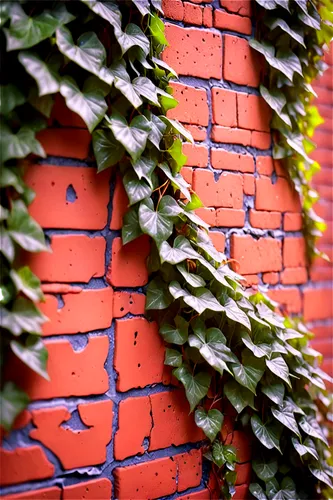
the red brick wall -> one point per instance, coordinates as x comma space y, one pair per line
109, 424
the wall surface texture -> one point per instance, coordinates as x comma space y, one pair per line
110, 424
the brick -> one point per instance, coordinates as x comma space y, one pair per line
208, 17
24, 464
192, 107
249, 186
292, 222
318, 303
197, 155
271, 278
66, 142
265, 165
129, 439
198, 133
128, 303
187, 173
88, 208
242, 442
152, 479
189, 470
294, 276
97, 305
279, 197
193, 14
228, 217
228, 160
241, 492
63, 116
127, 266
75, 448
253, 112
224, 107
98, 489
322, 331
251, 280
241, 64
255, 256
231, 135
289, 299
294, 252
173, 9
241, 7
261, 140
22, 420
72, 373
53, 493
75, 258
188, 55
218, 240
324, 346
120, 205
208, 215
198, 495
243, 472
226, 192
265, 220
231, 22
321, 274
323, 139
173, 425
139, 346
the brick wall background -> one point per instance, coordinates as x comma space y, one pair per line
110, 424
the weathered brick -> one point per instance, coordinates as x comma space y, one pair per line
294, 252
253, 112
193, 14
66, 142
127, 266
294, 276
232, 22
229, 217
98, 489
241, 7
120, 205
255, 256
249, 186
280, 197
260, 140
265, 165
270, 278
218, 239
24, 464
288, 298
192, 107
53, 493
241, 63
226, 192
173, 9
228, 160
292, 222
198, 133
265, 220
251, 280
197, 155
208, 215
189, 470
231, 135
128, 302
224, 107
318, 303
188, 55
243, 472
208, 17
198, 495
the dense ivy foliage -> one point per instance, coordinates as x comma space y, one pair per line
292, 35
222, 343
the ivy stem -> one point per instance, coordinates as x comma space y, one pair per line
162, 194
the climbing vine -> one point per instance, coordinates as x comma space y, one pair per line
224, 345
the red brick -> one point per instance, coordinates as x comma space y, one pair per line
242, 443
249, 184
152, 479
292, 222
321, 274
224, 107
192, 107
120, 205
241, 492
75, 258
198, 495
265, 165
241, 64
128, 263
231, 135
322, 331
24, 464
129, 438
208, 17
22, 420
243, 472
197, 155
323, 139
173, 9
318, 303
228, 160
270, 278
75, 448
173, 425
265, 220
128, 302
324, 346
255, 256
53, 493
188, 55
226, 192
72, 373
251, 280
327, 366
288, 298
198, 133
98, 489
241, 7
88, 211
193, 14
208, 215
187, 173
218, 240
64, 116
322, 156
140, 347
324, 176
294, 252
96, 304
261, 140
189, 470
228, 217
280, 197
231, 22
253, 112
67, 142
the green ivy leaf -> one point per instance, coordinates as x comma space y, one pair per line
265, 470
234, 313
134, 136
175, 334
279, 367
164, 65
171, 255
285, 415
239, 396
157, 129
311, 427
158, 296
107, 10
178, 128
130, 229
257, 491
200, 300
133, 36
177, 180
135, 188
6, 245
285, 60
259, 349
10, 98
268, 434
210, 422
144, 168
249, 373
24, 317
320, 474
194, 203
175, 151
27, 282
12, 401
24, 230
276, 100
307, 447
223, 454
107, 150
173, 358
296, 32
46, 78
192, 279
212, 347
145, 87
34, 354
158, 223
275, 392
196, 386
156, 27
19, 145
287, 491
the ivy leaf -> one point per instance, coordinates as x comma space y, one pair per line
164, 65
212, 347
279, 367
309, 20
24, 317
275, 392
145, 87
47, 80
265, 470
200, 300
210, 422
144, 168
196, 386
107, 150
107, 10
173, 358
12, 401
178, 128
296, 32
158, 296
307, 447
27, 282
175, 334
320, 474
285, 60
135, 188
267, 434
192, 279
121, 80
194, 203
257, 491
157, 129
239, 396
223, 454
19, 145
287, 491
34, 354
134, 136
130, 229
133, 36
10, 98
158, 223
286, 417
6, 245
275, 99
175, 151
24, 230
166, 99
176, 180
259, 349
311, 427
234, 313
172, 255
249, 373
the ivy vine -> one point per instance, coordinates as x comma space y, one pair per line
224, 344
